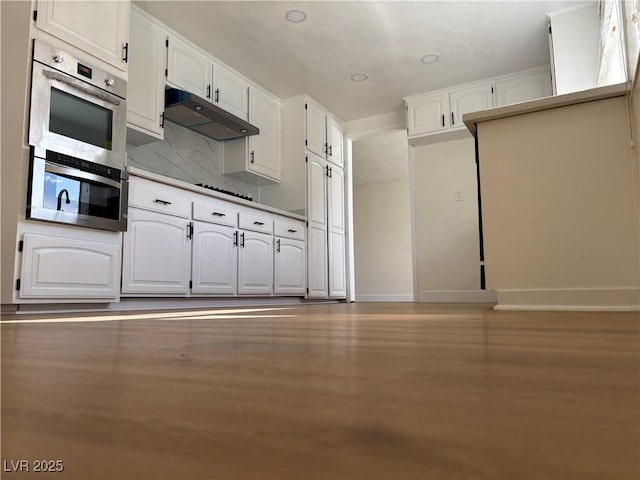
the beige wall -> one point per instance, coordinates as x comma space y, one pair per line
560, 207
447, 239
382, 235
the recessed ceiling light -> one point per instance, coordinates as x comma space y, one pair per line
359, 77
431, 58
295, 16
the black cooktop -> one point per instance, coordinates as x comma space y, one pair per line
227, 192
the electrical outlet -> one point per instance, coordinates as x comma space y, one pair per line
458, 195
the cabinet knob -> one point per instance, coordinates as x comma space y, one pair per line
109, 82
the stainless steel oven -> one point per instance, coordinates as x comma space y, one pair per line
77, 109
66, 189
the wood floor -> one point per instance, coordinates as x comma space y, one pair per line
360, 391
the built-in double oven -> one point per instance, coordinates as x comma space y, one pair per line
77, 137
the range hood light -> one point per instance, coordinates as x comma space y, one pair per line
198, 107
243, 130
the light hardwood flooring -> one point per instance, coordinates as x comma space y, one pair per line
343, 391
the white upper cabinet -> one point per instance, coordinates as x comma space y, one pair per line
315, 128
574, 42
99, 28
523, 88
438, 116
188, 69
427, 114
265, 113
145, 88
191, 70
230, 92
258, 159
469, 100
324, 135
334, 141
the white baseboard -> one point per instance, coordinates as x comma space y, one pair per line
585, 299
150, 304
385, 298
457, 296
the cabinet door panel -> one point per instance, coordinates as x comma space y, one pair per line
214, 259
336, 200
188, 69
145, 88
255, 264
156, 254
98, 28
231, 92
337, 273
289, 267
316, 129
316, 192
335, 139
469, 100
427, 114
267, 157
317, 262
524, 88
56, 267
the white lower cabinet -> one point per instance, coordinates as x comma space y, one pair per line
156, 254
188, 244
289, 267
214, 264
255, 263
58, 268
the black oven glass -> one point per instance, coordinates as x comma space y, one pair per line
74, 195
77, 118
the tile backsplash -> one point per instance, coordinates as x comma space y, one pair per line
187, 156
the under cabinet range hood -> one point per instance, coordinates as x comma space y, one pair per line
204, 117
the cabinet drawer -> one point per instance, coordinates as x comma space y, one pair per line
215, 211
288, 228
256, 221
158, 197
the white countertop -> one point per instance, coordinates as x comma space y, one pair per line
211, 193
546, 103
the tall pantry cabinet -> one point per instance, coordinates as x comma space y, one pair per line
313, 154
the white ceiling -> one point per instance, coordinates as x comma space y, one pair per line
384, 40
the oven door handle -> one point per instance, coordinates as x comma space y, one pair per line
79, 85
73, 172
